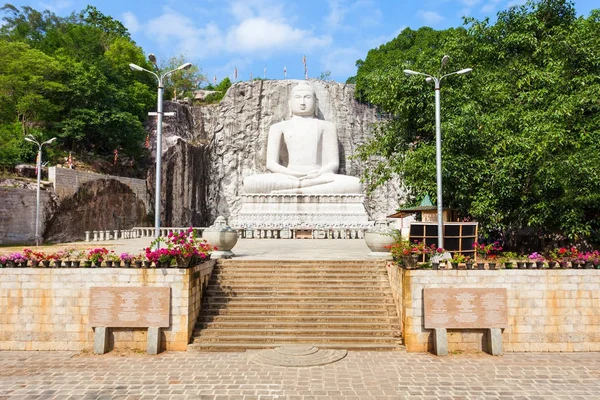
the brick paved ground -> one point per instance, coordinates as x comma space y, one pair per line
361, 375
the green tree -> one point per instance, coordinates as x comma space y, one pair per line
521, 135
182, 82
97, 103
220, 89
30, 92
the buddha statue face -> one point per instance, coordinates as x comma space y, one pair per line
303, 101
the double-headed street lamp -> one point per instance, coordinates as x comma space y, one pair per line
438, 136
159, 119
31, 139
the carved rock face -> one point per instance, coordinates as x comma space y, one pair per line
302, 101
224, 143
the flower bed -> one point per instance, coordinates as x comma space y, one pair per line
180, 250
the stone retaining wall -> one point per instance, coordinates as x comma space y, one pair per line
48, 308
67, 181
548, 310
17, 214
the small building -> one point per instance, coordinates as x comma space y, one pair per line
427, 210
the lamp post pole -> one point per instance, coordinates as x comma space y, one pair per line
31, 139
159, 119
438, 138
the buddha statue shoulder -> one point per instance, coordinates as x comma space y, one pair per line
313, 156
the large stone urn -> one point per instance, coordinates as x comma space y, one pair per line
378, 237
221, 236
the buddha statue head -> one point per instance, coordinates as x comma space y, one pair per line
303, 100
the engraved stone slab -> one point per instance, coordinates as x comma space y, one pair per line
130, 307
296, 356
468, 308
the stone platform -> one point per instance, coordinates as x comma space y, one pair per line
301, 211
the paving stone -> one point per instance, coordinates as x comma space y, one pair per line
360, 375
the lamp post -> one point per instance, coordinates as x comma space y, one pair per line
438, 136
31, 139
159, 112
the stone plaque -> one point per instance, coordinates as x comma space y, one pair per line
130, 307
465, 308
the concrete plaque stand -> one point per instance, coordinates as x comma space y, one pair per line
101, 340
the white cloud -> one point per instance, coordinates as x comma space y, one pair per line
193, 41
56, 6
131, 22
245, 9
341, 62
515, 3
364, 12
470, 3
490, 6
430, 17
226, 70
263, 35
336, 15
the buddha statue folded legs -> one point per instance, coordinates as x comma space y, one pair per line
313, 156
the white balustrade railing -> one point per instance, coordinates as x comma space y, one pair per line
247, 233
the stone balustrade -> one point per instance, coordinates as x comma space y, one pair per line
248, 233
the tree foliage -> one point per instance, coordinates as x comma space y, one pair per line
183, 82
521, 134
220, 91
69, 78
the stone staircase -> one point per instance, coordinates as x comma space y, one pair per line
255, 304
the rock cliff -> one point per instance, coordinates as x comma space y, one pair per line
105, 204
209, 150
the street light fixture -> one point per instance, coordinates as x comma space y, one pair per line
31, 139
438, 136
159, 113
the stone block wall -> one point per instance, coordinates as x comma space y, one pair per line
67, 181
548, 310
17, 214
48, 309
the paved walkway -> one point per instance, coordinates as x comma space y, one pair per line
263, 249
361, 375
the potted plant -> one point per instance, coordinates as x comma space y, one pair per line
457, 259
179, 250
435, 256
76, 258
3, 261
112, 260
127, 259
507, 258
34, 256
96, 256
468, 262
536, 260
552, 260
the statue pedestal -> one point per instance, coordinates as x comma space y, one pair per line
310, 211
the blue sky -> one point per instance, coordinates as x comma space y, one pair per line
220, 35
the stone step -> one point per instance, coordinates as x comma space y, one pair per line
257, 270
298, 268
332, 310
252, 304
240, 347
314, 340
324, 332
294, 300
376, 318
299, 281
278, 293
298, 325
238, 262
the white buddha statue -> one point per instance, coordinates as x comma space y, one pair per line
313, 156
